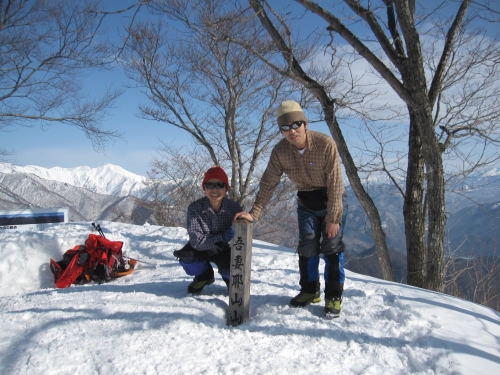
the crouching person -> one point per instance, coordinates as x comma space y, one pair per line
209, 227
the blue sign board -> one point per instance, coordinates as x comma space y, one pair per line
34, 219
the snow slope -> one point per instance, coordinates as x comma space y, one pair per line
145, 323
107, 179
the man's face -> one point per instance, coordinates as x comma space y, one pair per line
214, 193
297, 137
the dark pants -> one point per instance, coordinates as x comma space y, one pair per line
313, 242
197, 264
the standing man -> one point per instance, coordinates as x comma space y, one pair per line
310, 160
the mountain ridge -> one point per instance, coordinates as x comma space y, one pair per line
24, 191
107, 179
466, 208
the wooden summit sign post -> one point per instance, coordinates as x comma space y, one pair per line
241, 262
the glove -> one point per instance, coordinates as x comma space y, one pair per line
228, 234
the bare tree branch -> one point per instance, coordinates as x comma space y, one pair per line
46, 50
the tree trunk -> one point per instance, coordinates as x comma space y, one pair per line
413, 74
431, 151
437, 214
413, 208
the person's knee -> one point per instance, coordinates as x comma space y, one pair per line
225, 273
187, 253
308, 245
193, 267
333, 245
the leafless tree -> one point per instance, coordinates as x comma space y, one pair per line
278, 223
394, 42
46, 50
475, 277
219, 93
174, 182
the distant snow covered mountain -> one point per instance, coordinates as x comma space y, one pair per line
91, 194
107, 193
107, 179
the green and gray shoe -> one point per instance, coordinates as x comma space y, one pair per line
197, 286
332, 307
304, 298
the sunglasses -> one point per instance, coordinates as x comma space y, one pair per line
294, 125
214, 185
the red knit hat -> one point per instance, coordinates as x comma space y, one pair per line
216, 173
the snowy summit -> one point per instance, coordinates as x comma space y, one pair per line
107, 179
146, 323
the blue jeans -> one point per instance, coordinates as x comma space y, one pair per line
313, 242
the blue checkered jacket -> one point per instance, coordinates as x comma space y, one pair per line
205, 227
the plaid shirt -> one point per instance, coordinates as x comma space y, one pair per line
318, 168
205, 227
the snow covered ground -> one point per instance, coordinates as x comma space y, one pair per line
146, 323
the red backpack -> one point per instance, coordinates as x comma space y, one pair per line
99, 260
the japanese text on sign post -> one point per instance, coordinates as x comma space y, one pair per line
239, 286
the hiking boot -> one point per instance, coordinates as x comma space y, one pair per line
197, 286
332, 306
304, 298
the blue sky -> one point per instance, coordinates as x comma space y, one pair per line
60, 145
64, 146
